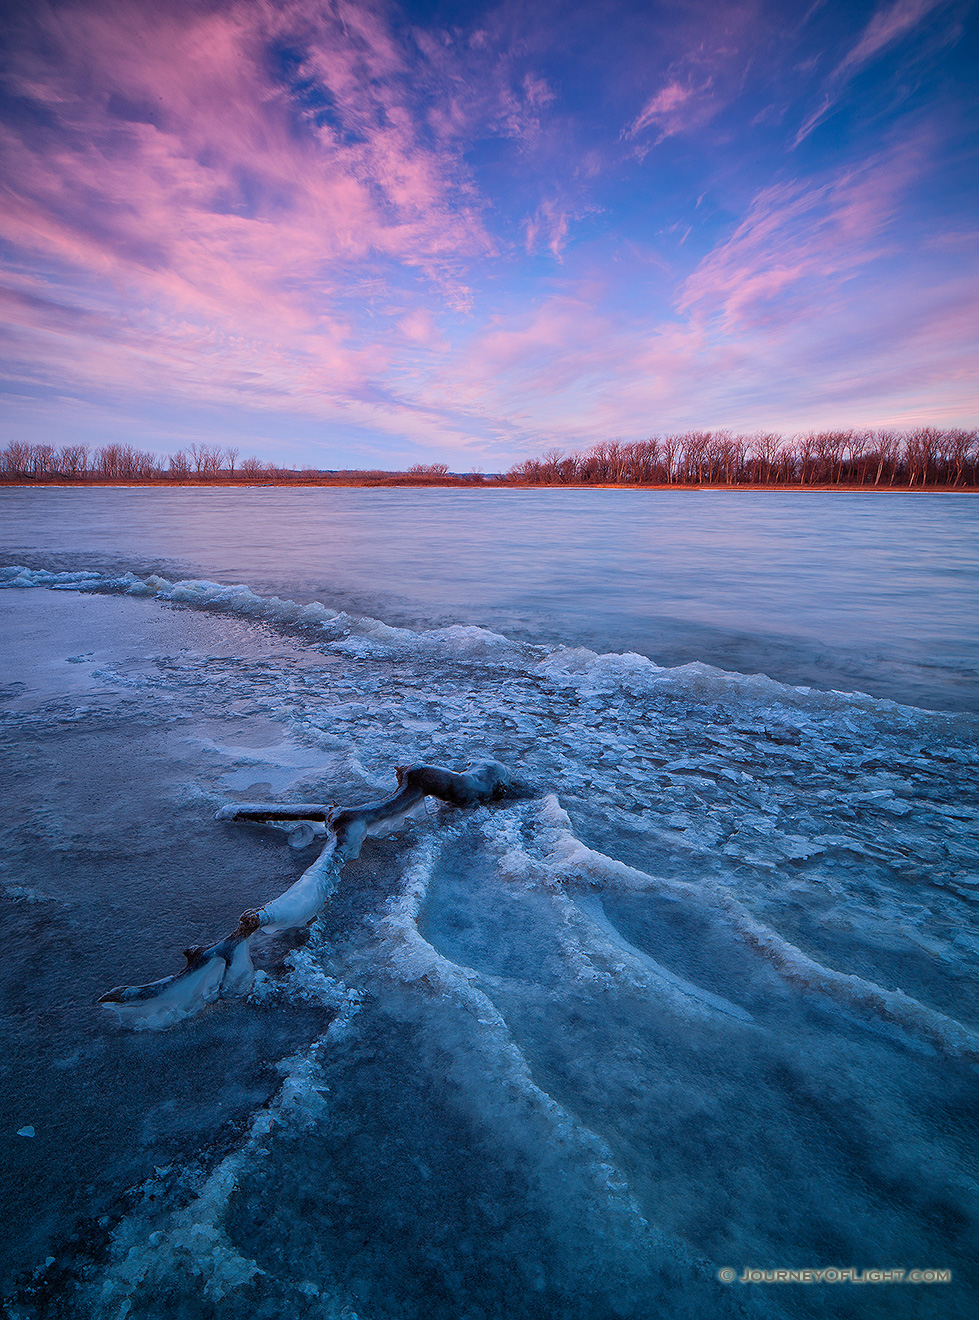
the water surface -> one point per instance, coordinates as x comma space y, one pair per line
705, 1000
878, 593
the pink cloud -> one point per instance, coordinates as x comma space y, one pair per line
184, 183
803, 316
240, 249
799, 241
671, 110
889, 24
573, 374
548, 225
712, 48
420, 327
206, 227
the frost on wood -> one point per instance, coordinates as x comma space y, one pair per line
225, 970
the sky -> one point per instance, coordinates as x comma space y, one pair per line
350, 233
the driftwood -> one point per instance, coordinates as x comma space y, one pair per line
225, 969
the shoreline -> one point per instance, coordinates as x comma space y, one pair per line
128, 483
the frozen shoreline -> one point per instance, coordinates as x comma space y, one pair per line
487, 483
562, 1042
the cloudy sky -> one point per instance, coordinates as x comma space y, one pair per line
357, 233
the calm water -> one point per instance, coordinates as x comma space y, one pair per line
878, 593
705, 1000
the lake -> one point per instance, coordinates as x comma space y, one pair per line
876, 593
704, 999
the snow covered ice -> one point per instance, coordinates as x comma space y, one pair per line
706, 999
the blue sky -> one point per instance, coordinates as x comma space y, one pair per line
359, 234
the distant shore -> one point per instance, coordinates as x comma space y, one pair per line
465, 483
927, 458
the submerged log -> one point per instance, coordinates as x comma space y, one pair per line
225, 969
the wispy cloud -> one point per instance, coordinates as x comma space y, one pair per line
548, 226
889, 24
338, 220
671, 110
801, 316
707, 72
234, 205
799, 240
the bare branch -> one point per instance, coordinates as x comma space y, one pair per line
225, 969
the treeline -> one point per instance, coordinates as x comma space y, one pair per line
923, 457
126, 462
200, 463
912, 459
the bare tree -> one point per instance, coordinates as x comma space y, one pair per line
645, 460
428, 470
524, 471
17, 459
730, 458
764, 454
41, 458
206, 459
671, 454
108, 461
124, 461
916, 455
962, 454
693, 451
926, 456
72, 460
550, 463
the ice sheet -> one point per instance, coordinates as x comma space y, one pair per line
706, 999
